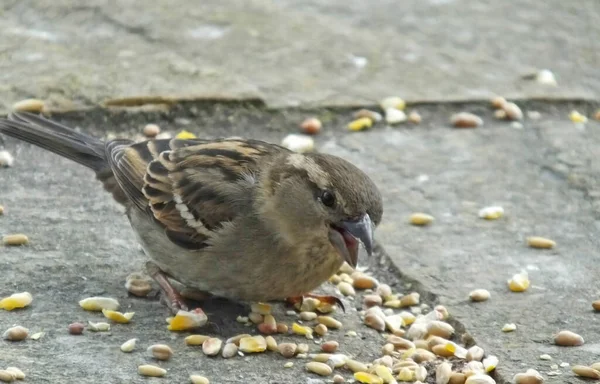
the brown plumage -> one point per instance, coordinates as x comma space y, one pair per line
243, 219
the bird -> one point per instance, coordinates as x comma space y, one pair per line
242, 219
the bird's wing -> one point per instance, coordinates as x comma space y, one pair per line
190, 187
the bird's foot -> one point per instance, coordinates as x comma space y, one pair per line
297, 301
170, 295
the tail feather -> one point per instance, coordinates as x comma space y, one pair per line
79, 147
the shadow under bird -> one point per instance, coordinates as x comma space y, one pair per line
241, 219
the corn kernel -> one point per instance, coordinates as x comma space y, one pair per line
99, 303
253, 344
300, 330
187, 320
367, 378
183, 135
262, 308
360, 124
118, 317
16, 300
519, 282
577, 117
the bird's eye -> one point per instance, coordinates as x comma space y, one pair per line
328, 198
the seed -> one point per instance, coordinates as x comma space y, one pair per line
151, 130
513, 112
129, 345
577, 117
99, 303
138, 285
212, 346
310, 304
466, 120
302, 348
375, 321
321, 329
229, 350
519, 282
405, 374
384, 291
200, 339
271, 343
118, 317
300, 330
596, 305
417, 331
385, 373
329, 322
457, 378
346, 289
321, 369
76, 328
498, 102
1, 210
15, 240
16, 333
531, 376
509, 327
371, 301
16, 372
360, 124
160, 351
568, 339
308, 316
16, 300
394, 323
420, 219
282, 328
387, 349
185, 320
439, 328
422, 355
392, 102
491, 213
394, 116
255, 317
479, 295
442, 350
253, 344
185, 135
242, 319
356, 366
490, 363
583, 371
335, 279
37, 335
500, 114
151, 370
410, 299
414, 117
311, 126
407, 317
29, 105
442, 373
367, 378
197, 379
298, 143
262, 308
330, 346
540, 242
480, 378
545, 357
268, 326
287, 350
6, 376
98, 327
399, 342
338, 379
368, 114
475, 353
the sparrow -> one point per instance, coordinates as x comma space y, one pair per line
242, 219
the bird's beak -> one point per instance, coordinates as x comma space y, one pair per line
344, 236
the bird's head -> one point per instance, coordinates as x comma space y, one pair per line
323, 195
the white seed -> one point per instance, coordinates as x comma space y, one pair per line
466, 120
138, 285
442, 373
410, 299
197, 379
289, 364
479, 295
545, 357
212, 346
531, 376
480, 378
374, 116
16, 372
372, 300
287, 350
509, 327
229, 350
6, 376
329, 322
414, 117
271, 343
15, 239
568, 339
394, 116
475, 353
490, 363
129, 345
321, 369
151, 130
498, 102
98, 327
298, 143
160, 351
583, 371
546, 77
500, 114
491, 213
321, 329
420, 219
200, 339
384, 291
346, 289
439, 328
37, 335
392, 102
6, 159
29, 105
338, 379
99, 303
513, 112
393, 323
16, 333
151, 370
375, 321
540, 242
308, 316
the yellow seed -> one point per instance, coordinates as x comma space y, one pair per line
6, 376
423, 355
271, 343
479, 295
16, 372
356, 366
200, 339
129, 345
253, 344
16, 333
334, 279
577, 117
118, 317
212, 346
346, 289
300, 330
443, 373
321, 329
184, 320
16, 300
420, 219
151, 370
531, 376
384, 373
309, 304
583, 371
399, 342
392, 102
490, 363
406, 374
183, 135
287, 350
408, 317
256, 317
98, 327
360, 124
509, 327
16, 239
568, 339
410, 299
289, 364
262, 308
321, 369
29, 105
329, 322
540, 242
367, 378
443, 350
491, 213
500, 114
229, 350
519, 282
302, 348
197, 379
99, 303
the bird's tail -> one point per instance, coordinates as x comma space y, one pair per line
64, 141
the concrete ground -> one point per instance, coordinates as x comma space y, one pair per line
544, 174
